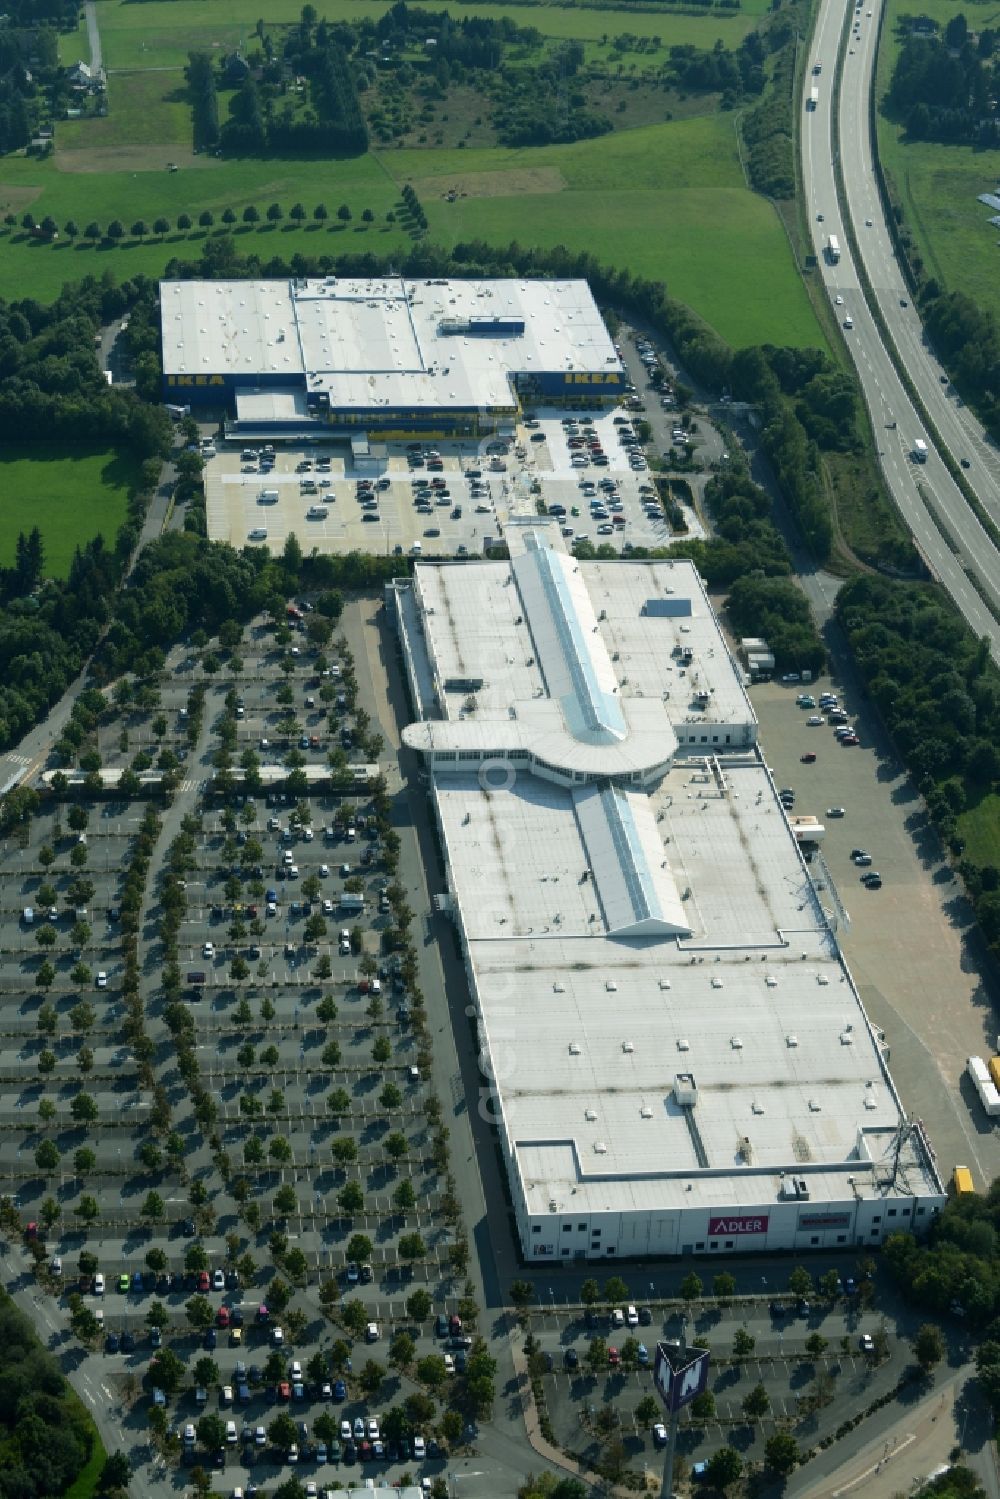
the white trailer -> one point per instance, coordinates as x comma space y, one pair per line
984, 1085
813, 101
920, 450
833, 249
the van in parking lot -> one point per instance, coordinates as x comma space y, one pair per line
267, 497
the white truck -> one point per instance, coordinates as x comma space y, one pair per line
833, 249
920, 451
813, 101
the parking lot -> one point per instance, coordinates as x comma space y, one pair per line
222, 1143
444, 498
905, 941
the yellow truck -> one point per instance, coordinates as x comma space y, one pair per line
961, 1181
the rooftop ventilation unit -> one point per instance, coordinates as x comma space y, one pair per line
683, 1044
736, 1043
590, 1115
611, 985
645, 1112
791, 1041
685, 1090
628, 1046
574, 1048
600, 1148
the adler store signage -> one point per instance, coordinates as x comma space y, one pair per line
756, 1224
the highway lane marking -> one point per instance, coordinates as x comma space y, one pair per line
875, 1467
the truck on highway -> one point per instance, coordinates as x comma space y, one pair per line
920, 451
833, 249
813, 101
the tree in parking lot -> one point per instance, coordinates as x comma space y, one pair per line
45, 977
278, 1295
157, 1316
290, 1489
395, 1146
285, 1202
703, 1406
354, 1316
81, 974
153, 1207
46, 1061
282, 1432
596, 1356
195, 1258
404, 1198
47, 1019
724, 1467
418, 1305
296, 1323
279, 1149
296, 1264
691, 1287
411, 1248
199, 1312
84, 1160
756, 1402
431, 1371
522, 1294
87, 1209
276, 1101
829, 1285
343, 1150
350, 1198
167, 1371
800, 1282
382, 1050
744, 1343
47, 1156
359, 1248
781, 1452
390, 1096
816, 1344
84, 1109
724, 1286
81, 1016
211, 1429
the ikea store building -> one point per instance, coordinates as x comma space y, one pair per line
387, 358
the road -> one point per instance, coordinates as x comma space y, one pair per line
94, 37
921, 491
955, 423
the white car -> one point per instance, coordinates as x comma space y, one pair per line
99, 1284
449, 1364
371, 1333
307, 834
226, 1395
632, 1317
345, 946
231, 1437
419, 1449
867, 1343
373, 1431
295, 1371
208, 951
617, 1317
218, 1280
345, 1430
324, 871
259, 1436
102, 980
277, 1336
328, 908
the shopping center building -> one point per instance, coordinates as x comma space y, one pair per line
672, 1049
336, 358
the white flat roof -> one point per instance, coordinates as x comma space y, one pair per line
620, 936
383, 343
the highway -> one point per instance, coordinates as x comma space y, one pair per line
927, 496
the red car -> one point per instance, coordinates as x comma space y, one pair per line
284, 1390
222, 1317
809, 758
204, 1284
614, 1357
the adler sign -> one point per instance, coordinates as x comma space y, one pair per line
744, 1225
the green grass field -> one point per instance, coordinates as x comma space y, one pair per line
980, 827
668, 199
151, 35
70, 497
937, 185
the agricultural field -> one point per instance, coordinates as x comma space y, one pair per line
70, 497
664, 193
937, 185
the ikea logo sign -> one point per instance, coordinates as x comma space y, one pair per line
608, 378
177, 382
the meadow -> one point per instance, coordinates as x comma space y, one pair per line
668, 199
937, 185
70, 496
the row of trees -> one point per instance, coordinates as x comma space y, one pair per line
141, 229
946, 88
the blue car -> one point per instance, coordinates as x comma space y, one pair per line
137, 1281
111, 1342
210, 1338
339, 1390
642, 1354
272, 895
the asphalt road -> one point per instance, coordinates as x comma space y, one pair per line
921, 491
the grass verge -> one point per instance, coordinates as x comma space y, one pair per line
70, 496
